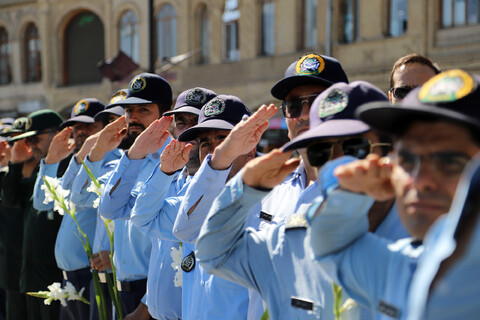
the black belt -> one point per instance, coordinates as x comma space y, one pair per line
126, 286
76, 273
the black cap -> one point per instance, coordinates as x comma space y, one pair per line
39, 121
450, 95
84, 112
310, 69
18, 126
221, 113
332, 113
113, 107
148, 88
192, 100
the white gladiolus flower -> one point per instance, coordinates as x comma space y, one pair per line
96, 202
176, 255
93, 188
56, 293
71, 292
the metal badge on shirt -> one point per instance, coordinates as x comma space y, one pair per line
188, 263
302, 303
265, 216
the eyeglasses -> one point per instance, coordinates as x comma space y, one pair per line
443, 163
320, 152
293, 108
401, 92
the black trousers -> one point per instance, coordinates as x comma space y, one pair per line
131, 294
77, 310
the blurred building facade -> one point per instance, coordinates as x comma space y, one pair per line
49, 49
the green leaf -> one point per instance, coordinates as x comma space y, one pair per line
265, 315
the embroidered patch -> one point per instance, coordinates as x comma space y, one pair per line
20, 123
214, 107
310, 65
119, 96
195, 97
388, 309
28, 123
188, 263
296, 221
80, 107
138, 84
448, 86
305, 304
336, 101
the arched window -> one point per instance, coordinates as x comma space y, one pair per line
129, 35
230, 17
84, 48
398, 17
5, 69
203, 27
33, 54
268, 27
166, 32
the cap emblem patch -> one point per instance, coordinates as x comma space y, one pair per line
28, 123
119, 96
80, 107
20, 123
214, 107
336, 101
138, 84
195, 97
447, 87
310, 65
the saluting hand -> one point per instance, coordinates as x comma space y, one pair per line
175, 156
243, 138
86, 147
108, 139
20, 152
269, 170
372, 176
151, 139
60, 147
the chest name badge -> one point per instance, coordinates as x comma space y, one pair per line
388, 309
305, 304
188, 263
265, 216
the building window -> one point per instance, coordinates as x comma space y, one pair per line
460, 12
310, 24
203, 34
84, 48
268, 27
350, 26
33, 54
129, 35
398, 17
230, 17
5, 69
166, 32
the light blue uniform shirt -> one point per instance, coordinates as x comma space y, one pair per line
69, 252
373, 271
154, 215
209, 297
456, 294
84, 199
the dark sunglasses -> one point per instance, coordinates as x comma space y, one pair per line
319, 153
293, 108
401, 92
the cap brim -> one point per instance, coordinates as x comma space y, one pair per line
215, 124
184, 109
23, 136
393, 119
135, 100
327, 129
81, 119
116, 110
284, 86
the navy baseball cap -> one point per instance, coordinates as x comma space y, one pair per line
39, 121
84, 111
113, 107
333, 113
192, 100
451, 95
221, 113
310, 69
147, 88
18, 126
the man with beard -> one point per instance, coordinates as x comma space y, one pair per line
148, 97
38, 269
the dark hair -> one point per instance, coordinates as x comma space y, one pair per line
163, 107
413, 58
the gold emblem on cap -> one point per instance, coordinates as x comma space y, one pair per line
119, 96
28, 123
138, 84
447, 86
80, 107
310, 65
